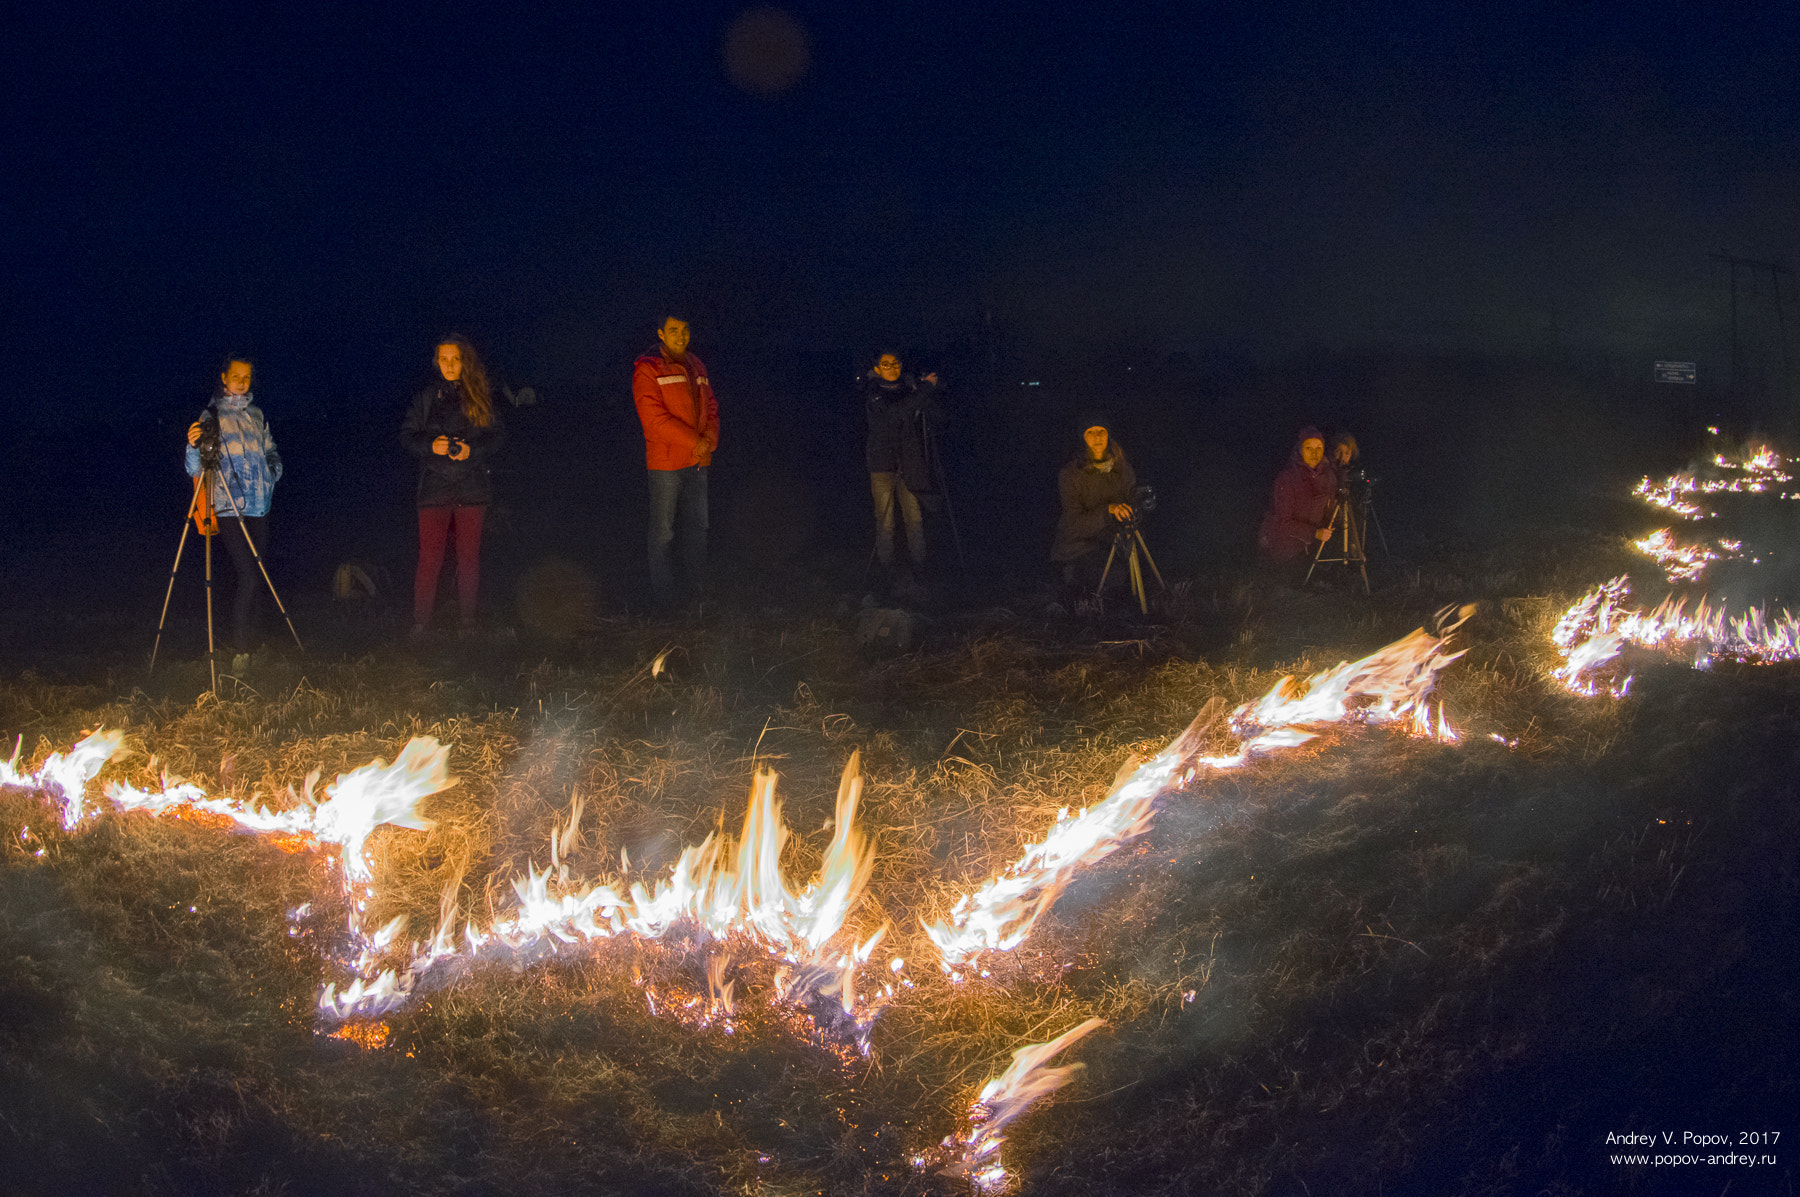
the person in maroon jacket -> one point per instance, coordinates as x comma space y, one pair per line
1299, 514
675, 404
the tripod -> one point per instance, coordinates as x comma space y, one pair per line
1133, 541
1349, 528
201, 515
935, 461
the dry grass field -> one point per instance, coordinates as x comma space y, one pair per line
1372, 964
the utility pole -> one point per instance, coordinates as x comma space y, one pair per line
1776, 270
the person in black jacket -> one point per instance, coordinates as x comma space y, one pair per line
899, 408
453, 429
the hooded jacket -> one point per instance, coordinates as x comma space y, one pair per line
1087, 488
249, 466
1300, 505
897, 412
436, 411
675, 404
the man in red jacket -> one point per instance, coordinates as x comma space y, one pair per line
681, 429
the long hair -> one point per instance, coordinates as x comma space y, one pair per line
478, 398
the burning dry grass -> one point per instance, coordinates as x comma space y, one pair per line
1350, 962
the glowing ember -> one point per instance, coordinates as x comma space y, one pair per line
1390, 685
369, 1035
1002, 1100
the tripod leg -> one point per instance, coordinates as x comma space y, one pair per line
186, 526
1100, 588
1137, 581
212, 663
937, 465
1380, 535
1160, 584
1319, 554
263, 569
1353, 545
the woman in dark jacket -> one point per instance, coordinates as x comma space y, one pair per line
898, 408
1096, 488
1299, 514
453, 429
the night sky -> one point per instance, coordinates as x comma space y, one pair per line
332, 185
1435, 227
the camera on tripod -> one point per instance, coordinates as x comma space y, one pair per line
1128, 545
209, 444
1142, 503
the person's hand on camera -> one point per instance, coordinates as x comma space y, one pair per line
441, 446
195, 432
1119, 511
930, 378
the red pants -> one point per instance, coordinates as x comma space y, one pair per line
434, 530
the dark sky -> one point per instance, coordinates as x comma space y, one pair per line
331, 185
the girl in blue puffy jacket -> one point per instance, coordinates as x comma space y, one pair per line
249, 468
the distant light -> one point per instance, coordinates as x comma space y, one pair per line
1029, 384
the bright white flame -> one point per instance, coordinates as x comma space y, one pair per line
1759, 470
68, 774
356, 803
733, 891
1683, 562
1596, 628
1392, 684
1002, 1100
359, 802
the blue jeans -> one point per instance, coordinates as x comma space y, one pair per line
672, 490
890, 491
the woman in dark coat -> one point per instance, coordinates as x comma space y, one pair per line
1096, 488
1299, 514
453, 429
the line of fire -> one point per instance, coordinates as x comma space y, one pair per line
734, 925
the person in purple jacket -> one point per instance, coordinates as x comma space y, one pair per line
1299, 514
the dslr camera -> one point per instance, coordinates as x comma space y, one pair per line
1142, 502
209, 444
